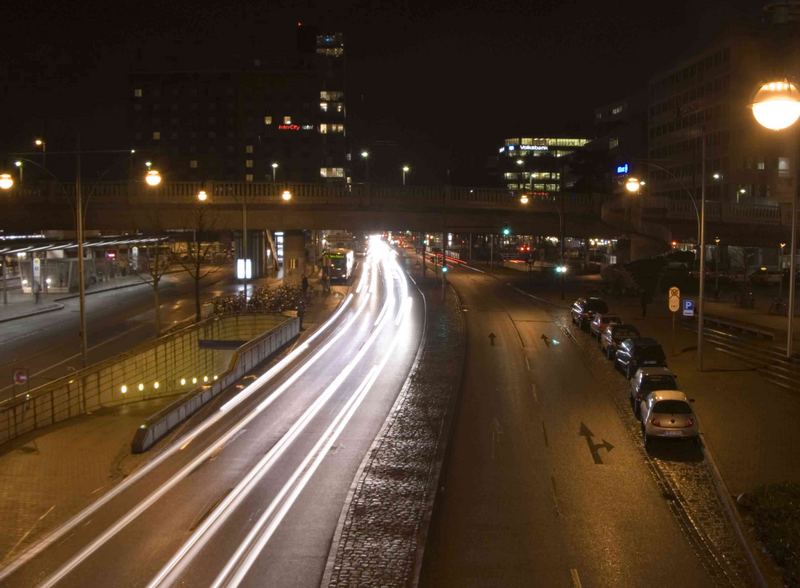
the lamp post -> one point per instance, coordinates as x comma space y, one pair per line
634, 185
776, 106
780, 269
43, 146
716, 266
274, 166
6, 183
365, 157
19, 166
406, 169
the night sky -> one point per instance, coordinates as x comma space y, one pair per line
445, 81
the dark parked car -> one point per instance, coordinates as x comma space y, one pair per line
650, 379
584, 309
601, 321
639, 352
613, 335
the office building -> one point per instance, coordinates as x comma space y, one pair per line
707, 95
534, 164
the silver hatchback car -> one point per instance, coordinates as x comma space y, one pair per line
668, 414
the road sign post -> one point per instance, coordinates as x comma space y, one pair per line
674, 301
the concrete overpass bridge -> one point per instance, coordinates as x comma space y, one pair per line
133, 206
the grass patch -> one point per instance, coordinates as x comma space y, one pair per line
775, 514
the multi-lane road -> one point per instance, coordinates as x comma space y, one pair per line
253, 494
544, 485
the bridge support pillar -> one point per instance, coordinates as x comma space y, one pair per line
294, 256
642, 247
256, 251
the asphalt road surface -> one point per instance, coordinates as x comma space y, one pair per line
48, 344
253, 495
544, 486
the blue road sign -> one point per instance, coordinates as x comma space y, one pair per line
688, 307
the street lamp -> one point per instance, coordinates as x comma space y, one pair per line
153, 178
274, 167
776, 106
633, 185
365, 157
6, 182
406, 169
202, 195
716, 266
286, 195
523, 199
18, 164
43, 145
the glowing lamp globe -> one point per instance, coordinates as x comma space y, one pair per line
776, 105
6, 182
523, 199
153, 178
202, 195
286, 195
632, 185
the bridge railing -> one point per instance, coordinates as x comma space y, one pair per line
670, 209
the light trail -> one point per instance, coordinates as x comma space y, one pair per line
175, 447
246, 554
213, 522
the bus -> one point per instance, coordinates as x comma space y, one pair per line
340, 264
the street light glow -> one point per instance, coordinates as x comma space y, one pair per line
153, 178
6, 182
274, 165
286, 195
38, 142
365, 154
202, 196
776, 105
406, 168
632, 185
523, 199
18, 163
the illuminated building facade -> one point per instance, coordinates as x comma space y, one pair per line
709, 94
535, 164
284, 120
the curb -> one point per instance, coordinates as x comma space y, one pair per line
337, 535
33, 313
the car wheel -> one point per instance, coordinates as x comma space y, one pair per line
637, 409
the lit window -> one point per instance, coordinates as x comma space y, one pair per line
337, 128
613, 143
617, 109
156, 135
137, 92
267, 120
287, 120
248, 148
248, 178
193, 164
761, 165
323, 106
323, 128
248, 163
331, 172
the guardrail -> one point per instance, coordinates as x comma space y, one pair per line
170, 365
243, 361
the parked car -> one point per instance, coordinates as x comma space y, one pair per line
668, 414
584, 309
601, 321
650, 379
639, 352
613, 335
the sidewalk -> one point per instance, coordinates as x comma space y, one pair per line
49, 475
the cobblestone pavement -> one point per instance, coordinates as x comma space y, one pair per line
383, 526
682, 473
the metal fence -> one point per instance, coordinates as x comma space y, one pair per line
173, 364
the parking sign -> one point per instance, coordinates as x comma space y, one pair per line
688, 307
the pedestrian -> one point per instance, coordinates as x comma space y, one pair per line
645, 300
37, 291
304, 285
301, 312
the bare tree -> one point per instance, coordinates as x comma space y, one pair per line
157, 263
197, 252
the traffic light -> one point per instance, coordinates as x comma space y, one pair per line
506, 231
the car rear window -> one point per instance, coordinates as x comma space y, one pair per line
672, 407
597, 306
659, 383
625, 333
653, 353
